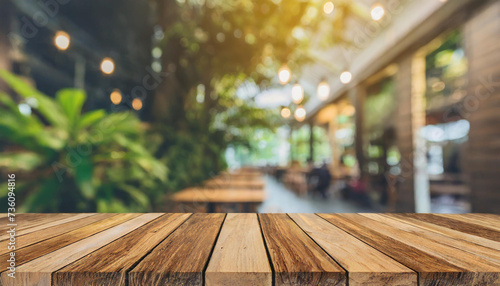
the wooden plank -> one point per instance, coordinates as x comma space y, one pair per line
435, 264
109, 265
447, 231
295, 257
465, 227
181, 258
31, 220
365, 264
39, 271
46, 233
239, 257
48, 223
478, 250
491, 223
36, 250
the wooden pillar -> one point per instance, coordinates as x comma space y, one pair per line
420, 175
311, 141
481, 107
357, 95
405, 199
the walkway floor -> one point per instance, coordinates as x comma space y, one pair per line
280, 200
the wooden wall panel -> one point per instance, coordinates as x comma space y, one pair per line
482, 34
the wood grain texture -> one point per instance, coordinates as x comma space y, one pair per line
39, 271
434, 263
49, 232
447, 231
490, 223
485, 253
470, 228
181, 258
36, 250
27, 221
109, 265
296, 258
370, 268
239, 257
50, 223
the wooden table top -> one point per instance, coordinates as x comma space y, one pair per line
235, 184
253, 249
229, 195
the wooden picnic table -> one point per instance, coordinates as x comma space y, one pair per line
253, 249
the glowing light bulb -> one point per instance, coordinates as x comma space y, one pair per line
107, 66
297, 93
345, 77
136, 104
284, 74
377, 12
328, 7
62, 40
323, 90
286, 112
300, 114
116, 96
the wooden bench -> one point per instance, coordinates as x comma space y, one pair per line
253, 249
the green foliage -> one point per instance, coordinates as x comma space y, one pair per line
69, 161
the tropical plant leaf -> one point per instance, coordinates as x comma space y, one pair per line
136, 194
90, 118
44, 198
83, 177
25, 161
71, 101
46, 105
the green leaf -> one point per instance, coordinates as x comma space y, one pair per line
46, 105
92, 117
136, 195
83, 177
43, 198
26, 161
71, 101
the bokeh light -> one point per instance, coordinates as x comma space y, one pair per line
345, 77
116, 96
62, 40
297, 94
107, 66
377, 12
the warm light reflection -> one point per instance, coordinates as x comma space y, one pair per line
136, 104
116, 96
297, 94
323, 90
349, 110
286, 112
300, 114
284, 74
328, 7
345, 77
107, 66
62, 40
377, 12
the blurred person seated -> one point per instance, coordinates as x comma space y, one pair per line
357, 190
320, 179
